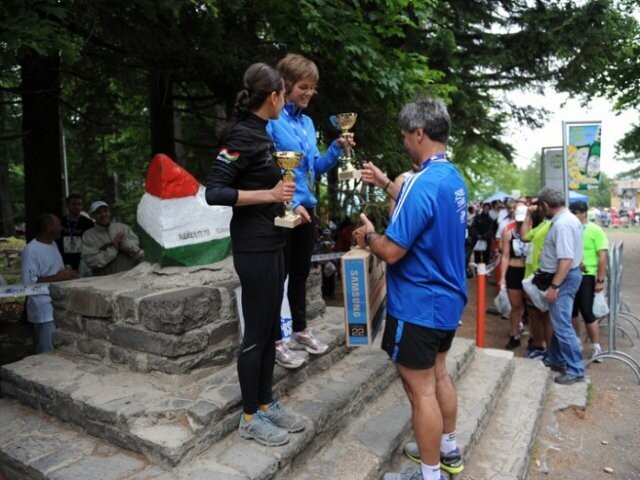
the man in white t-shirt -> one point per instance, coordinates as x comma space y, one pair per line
42, 263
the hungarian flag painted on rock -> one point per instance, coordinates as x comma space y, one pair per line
177, 226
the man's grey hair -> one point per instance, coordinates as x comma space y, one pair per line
552, 197
428, 114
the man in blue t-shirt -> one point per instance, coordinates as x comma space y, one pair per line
426, 284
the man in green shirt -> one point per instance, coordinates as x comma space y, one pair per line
594, 274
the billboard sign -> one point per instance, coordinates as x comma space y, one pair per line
581, 142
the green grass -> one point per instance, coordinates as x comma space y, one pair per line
12, 243
11, 271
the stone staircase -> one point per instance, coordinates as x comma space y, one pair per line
70, 416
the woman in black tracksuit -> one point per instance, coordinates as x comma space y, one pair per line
244, 175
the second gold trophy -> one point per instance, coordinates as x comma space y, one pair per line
287, 161
344, 122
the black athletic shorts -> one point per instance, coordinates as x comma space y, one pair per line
583, 301
514, 278
414, 346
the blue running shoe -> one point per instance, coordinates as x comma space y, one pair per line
536, 353
260, 429
411, 473
450, 463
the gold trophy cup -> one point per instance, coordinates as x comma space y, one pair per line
288, 161
344, 122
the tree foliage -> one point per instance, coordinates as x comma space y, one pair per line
143, 76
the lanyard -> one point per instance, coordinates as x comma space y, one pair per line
433, 158
72, 226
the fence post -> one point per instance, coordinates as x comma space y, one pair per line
482, 300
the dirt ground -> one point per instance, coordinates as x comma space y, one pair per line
580, 444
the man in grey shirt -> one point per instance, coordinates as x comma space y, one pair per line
562, 256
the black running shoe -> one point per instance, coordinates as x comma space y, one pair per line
514, 342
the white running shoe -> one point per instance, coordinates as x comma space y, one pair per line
596, 351
309, 342
287, 358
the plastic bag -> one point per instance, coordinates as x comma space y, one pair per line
480, 246
535, 294
502, 302
329, 269
600, 307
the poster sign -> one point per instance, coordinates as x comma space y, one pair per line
553, 168
582, 151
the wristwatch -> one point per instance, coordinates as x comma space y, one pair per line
367, 237
554, 286
600, 280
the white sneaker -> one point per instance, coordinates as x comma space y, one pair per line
287, 358
309, 342
596, 351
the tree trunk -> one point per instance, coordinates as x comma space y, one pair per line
161, 114
7, 222
41, 143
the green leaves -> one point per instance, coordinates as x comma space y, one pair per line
373, 57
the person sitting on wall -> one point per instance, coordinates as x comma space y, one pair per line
109, 247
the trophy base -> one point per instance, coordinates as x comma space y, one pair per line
288, 222
349, 175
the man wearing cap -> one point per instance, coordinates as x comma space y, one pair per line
109, 247
562, 255
594, 274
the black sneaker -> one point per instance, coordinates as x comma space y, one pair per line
514, 342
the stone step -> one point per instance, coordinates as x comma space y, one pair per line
37, 446
504, 450
478, 386
166, 417
364, 449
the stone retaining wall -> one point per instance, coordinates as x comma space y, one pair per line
169, 325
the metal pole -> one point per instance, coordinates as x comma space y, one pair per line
64, 163
482, 300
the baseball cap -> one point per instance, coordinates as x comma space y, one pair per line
578, 207
521, 213
96, 205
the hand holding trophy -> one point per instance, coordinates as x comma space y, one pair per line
288, 160
344, 122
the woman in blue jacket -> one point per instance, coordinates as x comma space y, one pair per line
294, 130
